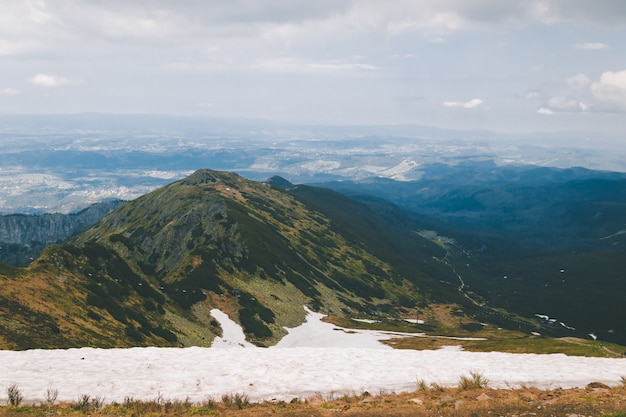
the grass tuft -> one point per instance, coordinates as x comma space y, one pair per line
422, 385
475, 381
14, 396
85, 403
236, 400
437, 387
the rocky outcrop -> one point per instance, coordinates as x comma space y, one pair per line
22, 236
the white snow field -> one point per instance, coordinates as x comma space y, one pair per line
315, 358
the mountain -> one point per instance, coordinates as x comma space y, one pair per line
149, 272
547, 208
23, 237
531, 240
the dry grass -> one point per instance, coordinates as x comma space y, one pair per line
595, 400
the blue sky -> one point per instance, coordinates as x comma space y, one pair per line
509, 66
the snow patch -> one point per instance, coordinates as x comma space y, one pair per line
315, 357
370, 321
232, 333
415, 321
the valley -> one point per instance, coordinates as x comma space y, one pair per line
530, 240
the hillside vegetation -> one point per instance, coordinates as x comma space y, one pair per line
149, 272
532, 240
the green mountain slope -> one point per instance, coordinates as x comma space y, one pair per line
531, 240
150, 272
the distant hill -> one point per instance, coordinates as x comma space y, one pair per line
547, 208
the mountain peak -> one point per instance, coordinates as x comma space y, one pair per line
279, 182
208, 176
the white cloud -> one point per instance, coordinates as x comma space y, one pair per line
531, 95
464, 104
560, 103
9, 92
610, 91
326, 67
591, 46
606, 95
46, 80
578, 82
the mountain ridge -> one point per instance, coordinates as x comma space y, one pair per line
149, 272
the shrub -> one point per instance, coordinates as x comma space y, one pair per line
14, 395
97, 403
474, 381
51, 396
82, 404
85, 403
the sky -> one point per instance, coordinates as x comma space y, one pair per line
500, 65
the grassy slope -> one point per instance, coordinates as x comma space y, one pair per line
496, 339
149, 272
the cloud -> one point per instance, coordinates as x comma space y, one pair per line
157, 54
465, 105
565, 104
324, 67
606, 95
578, 82
46, 80
610, 91
531, 95
9, 92
293, 19
599, 12
591, 46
